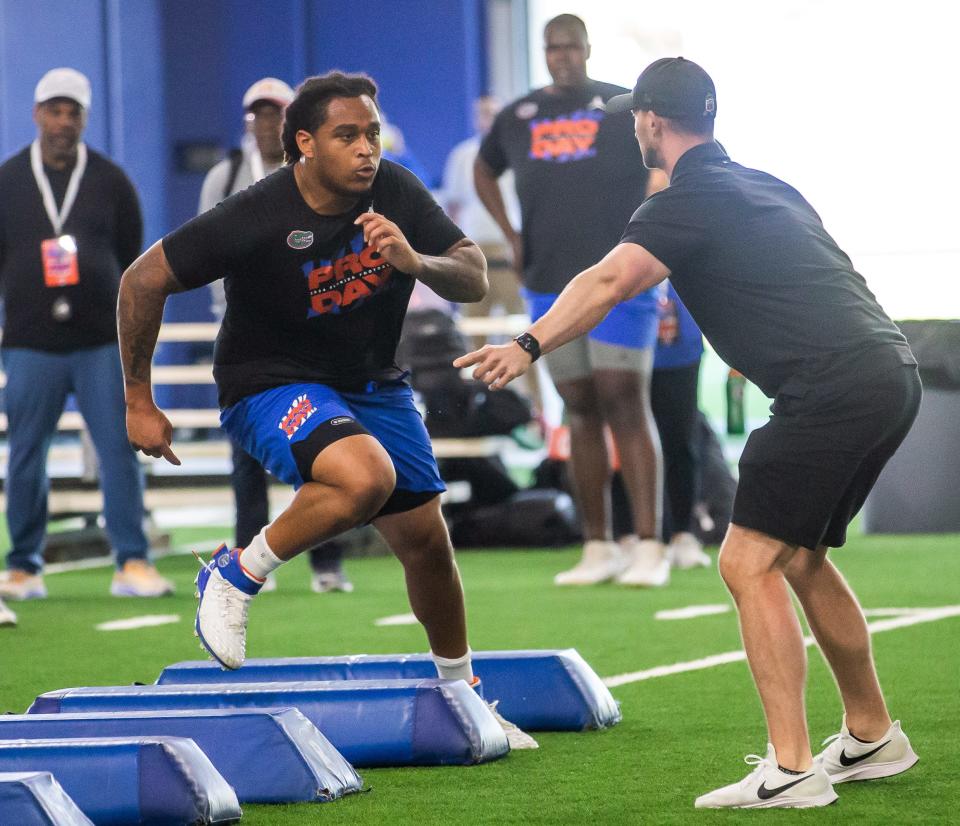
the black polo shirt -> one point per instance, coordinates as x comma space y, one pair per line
771, 290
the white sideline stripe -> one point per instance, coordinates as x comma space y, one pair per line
146, 621
397, 619
692, 611
922, 615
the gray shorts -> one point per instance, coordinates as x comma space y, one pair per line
579, 358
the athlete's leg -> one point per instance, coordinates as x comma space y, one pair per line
589, 462
752, 566
420, 541
350, 480
837, 622
624, 398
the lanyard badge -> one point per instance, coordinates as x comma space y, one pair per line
59, 257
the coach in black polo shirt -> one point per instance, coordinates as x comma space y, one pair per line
781, 303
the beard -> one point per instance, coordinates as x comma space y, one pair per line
651, 158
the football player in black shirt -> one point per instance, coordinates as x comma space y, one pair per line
781, 303
319, 260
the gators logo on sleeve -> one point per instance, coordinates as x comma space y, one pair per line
343, 282
566, 138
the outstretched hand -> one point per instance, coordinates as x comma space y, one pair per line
497, 364
150, 431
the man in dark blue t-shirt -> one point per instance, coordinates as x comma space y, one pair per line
781, 303
318, 260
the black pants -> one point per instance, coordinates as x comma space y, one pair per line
249, 482
673, 397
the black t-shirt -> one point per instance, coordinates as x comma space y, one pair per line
771, 290
579, 177
307, 300
105, 221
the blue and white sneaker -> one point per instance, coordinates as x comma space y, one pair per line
224, 591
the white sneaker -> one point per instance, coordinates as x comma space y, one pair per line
17, 584
516, 737
224, 592
846, 758
685, 552
648, 564
767, 787
600, 561
322, 583
7, 617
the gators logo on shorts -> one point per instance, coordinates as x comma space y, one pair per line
301, 410
343, 282
566, 138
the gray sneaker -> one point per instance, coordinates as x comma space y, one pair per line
846, 758
322, 583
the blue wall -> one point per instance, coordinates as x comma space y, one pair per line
168, 72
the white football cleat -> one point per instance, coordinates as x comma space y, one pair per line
768, 787
224, 592
648, 566
686, 552
846, 758
516, 737
601, 561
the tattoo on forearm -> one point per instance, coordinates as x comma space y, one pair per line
139, 314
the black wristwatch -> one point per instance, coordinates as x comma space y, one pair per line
529, 345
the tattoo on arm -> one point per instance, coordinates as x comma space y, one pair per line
143, 293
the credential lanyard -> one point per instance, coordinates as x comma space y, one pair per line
57, 217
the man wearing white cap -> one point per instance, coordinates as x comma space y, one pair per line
69, 224
262, 151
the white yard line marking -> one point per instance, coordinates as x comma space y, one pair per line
692, 611
397, 619
921, 615
146, 621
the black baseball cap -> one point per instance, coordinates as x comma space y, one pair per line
673, 87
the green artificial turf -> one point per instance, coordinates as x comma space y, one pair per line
681, 735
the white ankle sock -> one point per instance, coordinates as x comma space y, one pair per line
257, 560
460, 668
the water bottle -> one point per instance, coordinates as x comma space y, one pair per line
736, 418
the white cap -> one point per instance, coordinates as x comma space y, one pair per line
270, 89
63, 83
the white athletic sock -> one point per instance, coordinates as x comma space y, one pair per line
257, 560
460, 668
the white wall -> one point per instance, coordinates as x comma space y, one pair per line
855, 103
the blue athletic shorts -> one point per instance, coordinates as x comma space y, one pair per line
630, 324
270, 425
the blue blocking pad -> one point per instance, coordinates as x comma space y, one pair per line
383, 723
155, 780
37, 799
267, 755
537, 690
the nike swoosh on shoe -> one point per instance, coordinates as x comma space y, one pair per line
852, 761
765, 794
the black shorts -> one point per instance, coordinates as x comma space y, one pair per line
806, 473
